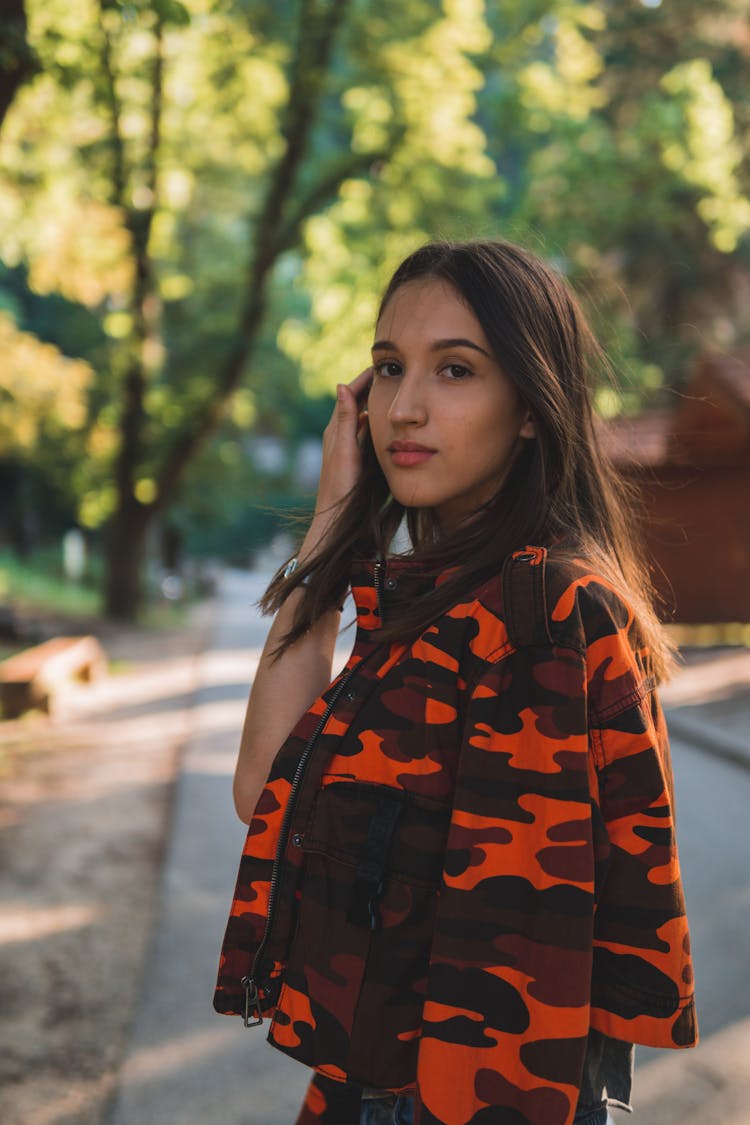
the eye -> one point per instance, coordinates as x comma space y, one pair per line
388, 368
456, 371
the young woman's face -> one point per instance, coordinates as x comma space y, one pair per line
446, 422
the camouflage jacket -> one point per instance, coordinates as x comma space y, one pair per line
464, 857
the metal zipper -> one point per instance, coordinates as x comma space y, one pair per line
253, 1015
378, 580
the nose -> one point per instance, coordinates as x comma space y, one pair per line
408, 405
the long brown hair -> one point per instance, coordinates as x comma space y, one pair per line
561, 489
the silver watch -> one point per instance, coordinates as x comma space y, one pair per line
290, 568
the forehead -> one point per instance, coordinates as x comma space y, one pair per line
428, 309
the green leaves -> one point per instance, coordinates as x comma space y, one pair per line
171, 12
166, 11
705, 151
223, 236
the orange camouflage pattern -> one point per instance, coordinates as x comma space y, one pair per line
480, 862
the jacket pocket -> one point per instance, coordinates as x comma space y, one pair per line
357, 972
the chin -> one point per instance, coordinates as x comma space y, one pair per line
410, 501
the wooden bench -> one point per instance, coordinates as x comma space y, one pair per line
33, 677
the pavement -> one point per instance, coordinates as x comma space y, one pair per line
708, 703
186, 1065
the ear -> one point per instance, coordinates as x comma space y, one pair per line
528, 429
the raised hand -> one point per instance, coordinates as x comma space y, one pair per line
342, 457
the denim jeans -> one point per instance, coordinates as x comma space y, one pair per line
396, 1110
400, 1111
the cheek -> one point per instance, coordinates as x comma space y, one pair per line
378, 404
376, 424
484, 441
471, 432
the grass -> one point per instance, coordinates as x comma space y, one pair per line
39, 585
711, 635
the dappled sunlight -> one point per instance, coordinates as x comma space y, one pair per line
9, 817
690, 1086
37, 379
153, 682
212, 762
151, 207
136, 714
157, 1060
711, 635
230, 666
223, 714
59, 1107
717, 677
93, 757
20, 921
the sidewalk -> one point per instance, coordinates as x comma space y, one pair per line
708, 710
84, 815
187, 1066
708, 704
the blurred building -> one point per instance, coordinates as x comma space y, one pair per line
693, 467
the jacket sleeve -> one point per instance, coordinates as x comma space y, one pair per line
521, 965
642, 978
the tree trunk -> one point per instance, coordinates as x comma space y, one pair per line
126, 555
19, 63
277, 228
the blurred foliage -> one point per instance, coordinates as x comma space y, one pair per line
43, 588
628, 128
618, 135
144, 256
42, 392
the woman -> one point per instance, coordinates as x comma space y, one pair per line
459, 900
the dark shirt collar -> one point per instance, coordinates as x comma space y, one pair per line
379, 585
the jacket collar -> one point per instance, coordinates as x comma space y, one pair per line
387, 580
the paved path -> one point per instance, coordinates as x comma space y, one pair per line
188, 1066
711, 1084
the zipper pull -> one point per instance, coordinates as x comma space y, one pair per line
373, 908
377, 578
253, 1014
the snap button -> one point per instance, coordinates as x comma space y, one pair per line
351, 695
297, 839
391, 583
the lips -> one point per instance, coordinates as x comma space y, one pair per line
408, 453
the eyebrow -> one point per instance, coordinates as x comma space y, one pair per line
437, 346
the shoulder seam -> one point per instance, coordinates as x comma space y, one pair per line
637, 695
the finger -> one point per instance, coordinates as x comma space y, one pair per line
361, 384
362, 427
354, 392
346, 403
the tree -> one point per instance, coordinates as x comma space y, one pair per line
44, 391
627, 125
191, 145
226, 186
616, 137
18, 63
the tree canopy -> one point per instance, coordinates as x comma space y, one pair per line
210, 194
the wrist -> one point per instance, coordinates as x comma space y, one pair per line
290, 568
316, 533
